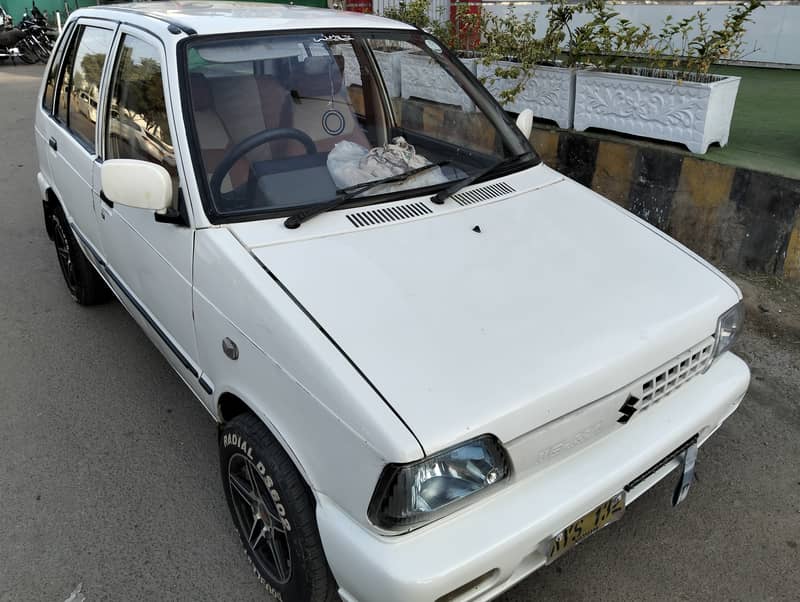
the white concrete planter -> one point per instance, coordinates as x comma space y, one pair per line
549, 92
352, 72
389, 63
690, 113
422, 78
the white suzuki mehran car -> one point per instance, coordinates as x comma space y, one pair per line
437, 364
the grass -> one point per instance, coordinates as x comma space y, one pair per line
765, 131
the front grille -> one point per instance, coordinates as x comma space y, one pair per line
653, 387
682, 369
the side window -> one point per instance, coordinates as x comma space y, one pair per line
52, 75
80, 83
137, 112
65, 85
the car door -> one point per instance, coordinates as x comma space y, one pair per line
72, 131
45, 120
148, 257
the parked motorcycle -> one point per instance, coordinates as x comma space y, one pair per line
31, 41
14, 44
36, 38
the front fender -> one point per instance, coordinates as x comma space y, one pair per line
332, 423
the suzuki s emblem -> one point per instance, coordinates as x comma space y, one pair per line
628, 409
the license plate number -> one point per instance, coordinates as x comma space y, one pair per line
605, 514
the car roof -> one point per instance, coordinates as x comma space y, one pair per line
234, 17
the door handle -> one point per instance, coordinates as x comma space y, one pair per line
53, 144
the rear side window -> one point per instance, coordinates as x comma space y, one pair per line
79, 93
52, 75
65, 85
137, 112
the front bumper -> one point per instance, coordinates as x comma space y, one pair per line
502, 538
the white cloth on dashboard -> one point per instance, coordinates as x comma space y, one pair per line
350, 164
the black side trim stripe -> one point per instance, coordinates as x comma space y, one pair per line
146, 315
88, 245
314, 321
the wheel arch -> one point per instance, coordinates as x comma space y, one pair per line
49, 203
230, 405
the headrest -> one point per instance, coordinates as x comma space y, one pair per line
339, 62
201, 92
317, 76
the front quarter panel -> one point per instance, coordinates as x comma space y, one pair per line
335, 426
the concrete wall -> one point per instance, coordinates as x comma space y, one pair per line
17, 7
772, 37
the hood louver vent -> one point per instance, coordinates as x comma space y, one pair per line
484, 193
385, 215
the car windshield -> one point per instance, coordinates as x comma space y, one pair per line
284, 122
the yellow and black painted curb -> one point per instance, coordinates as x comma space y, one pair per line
745, 219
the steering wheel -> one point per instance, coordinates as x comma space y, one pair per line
248, 144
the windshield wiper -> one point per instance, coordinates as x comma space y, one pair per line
440, 197
345, 194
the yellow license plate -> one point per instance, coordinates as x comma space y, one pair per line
605, 514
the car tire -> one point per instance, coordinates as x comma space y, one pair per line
274, 514
84, 283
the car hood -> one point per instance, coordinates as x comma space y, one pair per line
500, 316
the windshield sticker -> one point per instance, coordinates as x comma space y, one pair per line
433, 46
333, 38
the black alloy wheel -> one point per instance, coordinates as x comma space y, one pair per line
274, 513
85, 285
65, 253
257, 515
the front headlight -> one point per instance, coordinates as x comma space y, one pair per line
729, 326
409, 495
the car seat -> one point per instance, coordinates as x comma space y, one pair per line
320, 106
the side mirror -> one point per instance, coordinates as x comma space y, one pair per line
138, 184
525, 122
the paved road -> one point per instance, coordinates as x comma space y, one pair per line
108, 473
